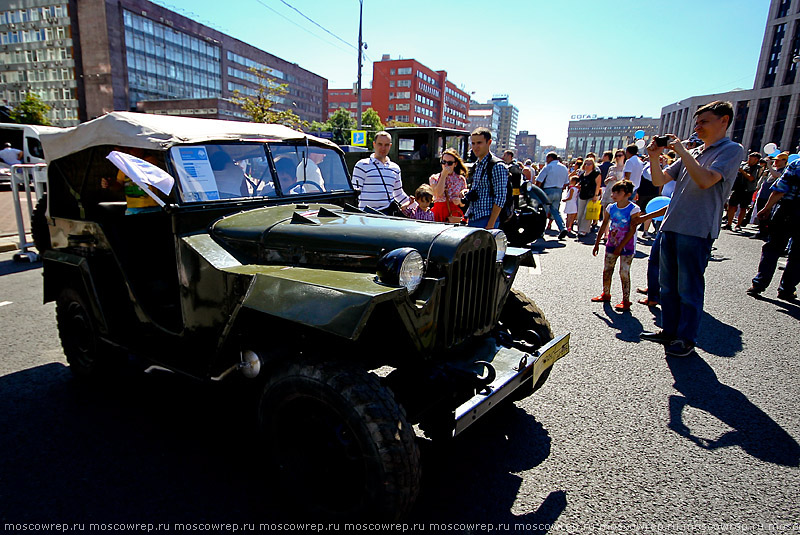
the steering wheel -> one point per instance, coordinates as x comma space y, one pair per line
309, 183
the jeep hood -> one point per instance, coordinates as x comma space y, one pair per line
326, 235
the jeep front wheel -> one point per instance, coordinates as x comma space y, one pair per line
524, 320
339, 442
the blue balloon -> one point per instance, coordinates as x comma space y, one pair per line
657, 204
792, 157
773, 154
639, 134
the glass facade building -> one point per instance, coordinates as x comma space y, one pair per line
36, 56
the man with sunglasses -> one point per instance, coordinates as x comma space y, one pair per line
553, 179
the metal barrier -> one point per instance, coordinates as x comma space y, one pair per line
21, 175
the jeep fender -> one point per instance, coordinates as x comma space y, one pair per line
63, 270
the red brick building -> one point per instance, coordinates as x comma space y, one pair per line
348, 99
408, 91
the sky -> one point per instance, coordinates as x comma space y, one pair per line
553, 59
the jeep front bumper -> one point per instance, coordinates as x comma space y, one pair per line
512, 369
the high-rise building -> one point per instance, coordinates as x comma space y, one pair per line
507, 125
348, 99
770, 112
486, 116
405, 90
88, 57
607, 133
527, 146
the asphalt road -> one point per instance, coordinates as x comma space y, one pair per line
619, 440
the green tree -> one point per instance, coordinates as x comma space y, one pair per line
394, 124
32, 110
371, 122
261, 106
340, 124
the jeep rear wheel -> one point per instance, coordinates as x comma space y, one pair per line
78, 335
520, 316
339, 442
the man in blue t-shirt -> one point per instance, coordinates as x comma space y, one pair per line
783, 211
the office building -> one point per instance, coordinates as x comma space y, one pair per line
407, 91
527, 146
484, 116
770, 112
348, 99
507, 124
89, 57
606, 133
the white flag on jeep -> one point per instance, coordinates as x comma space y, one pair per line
143, 173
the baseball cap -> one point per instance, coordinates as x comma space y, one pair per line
782, 156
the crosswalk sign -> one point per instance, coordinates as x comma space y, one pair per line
358, 138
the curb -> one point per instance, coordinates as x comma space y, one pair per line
10, 243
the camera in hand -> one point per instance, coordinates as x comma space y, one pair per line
661, 141
470, 196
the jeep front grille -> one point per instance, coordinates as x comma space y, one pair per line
470, 296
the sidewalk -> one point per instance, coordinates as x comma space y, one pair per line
9, 237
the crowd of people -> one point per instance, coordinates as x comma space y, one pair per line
706, 178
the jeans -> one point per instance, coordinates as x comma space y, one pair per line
554, 196
584, 225
482, 222
682, 264
783, 226
653, 287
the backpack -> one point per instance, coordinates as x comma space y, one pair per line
508, 207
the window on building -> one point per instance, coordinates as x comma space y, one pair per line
391, 72
740, 120
403, 83
775, 55
760, 124
783, 8
780, 120
404, 70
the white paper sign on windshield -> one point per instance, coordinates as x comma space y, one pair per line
195, 173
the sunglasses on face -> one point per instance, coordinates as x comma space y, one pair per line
446, 162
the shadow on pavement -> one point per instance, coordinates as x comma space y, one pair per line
479, 468
753, 430
8, 267
629, 328
162, 448
790, 308
718, 338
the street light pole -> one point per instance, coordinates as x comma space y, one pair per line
360, 47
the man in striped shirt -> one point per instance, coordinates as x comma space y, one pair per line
378, 180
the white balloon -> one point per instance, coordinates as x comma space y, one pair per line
769, 148
640, 143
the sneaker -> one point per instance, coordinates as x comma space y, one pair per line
624, 305
679, 348
726, 227
659, 337
562, 234
753, 291
602, 298
787, 296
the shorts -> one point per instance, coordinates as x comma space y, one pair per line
740, 198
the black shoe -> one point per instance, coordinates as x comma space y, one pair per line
787, 296
753, 291
679, 348
659, 337
726, 227
562, 234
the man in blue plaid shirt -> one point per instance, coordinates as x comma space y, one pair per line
486, 199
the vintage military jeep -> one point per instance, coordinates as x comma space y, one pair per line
353, 326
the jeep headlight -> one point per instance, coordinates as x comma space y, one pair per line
501, 242
401, 267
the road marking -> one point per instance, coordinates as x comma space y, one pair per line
4, 303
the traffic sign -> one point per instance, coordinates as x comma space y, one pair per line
358, 138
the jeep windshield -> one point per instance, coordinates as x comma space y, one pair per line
211, 172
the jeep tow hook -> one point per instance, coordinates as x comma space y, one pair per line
485, 380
